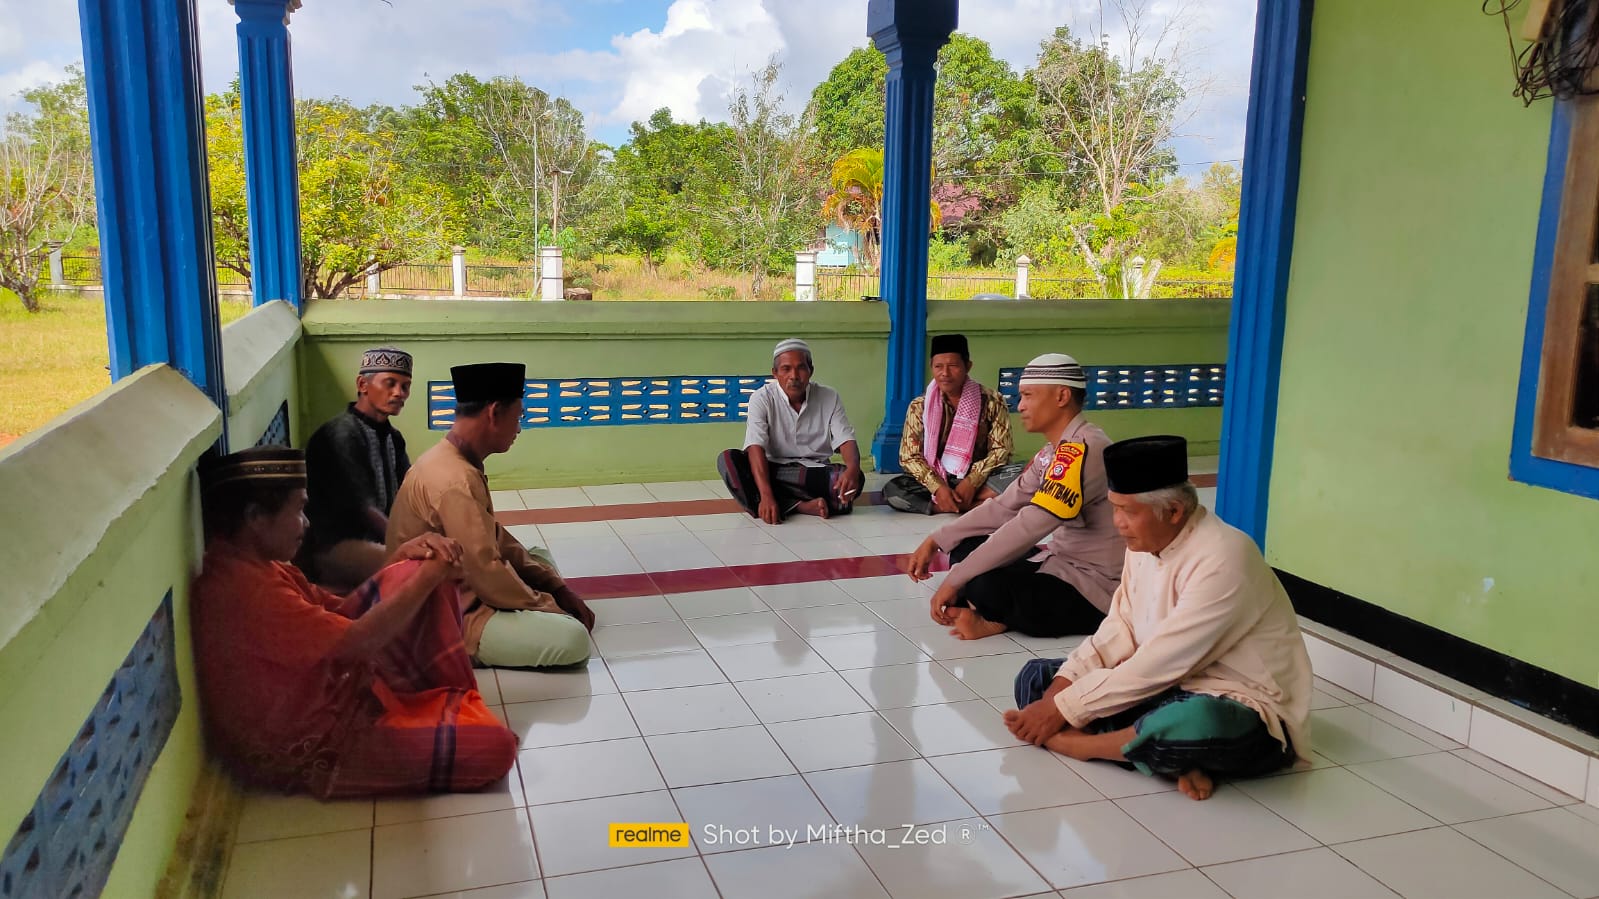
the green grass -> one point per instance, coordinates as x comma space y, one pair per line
55, 358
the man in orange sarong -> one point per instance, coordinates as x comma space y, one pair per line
303, 690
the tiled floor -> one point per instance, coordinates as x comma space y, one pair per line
762, 682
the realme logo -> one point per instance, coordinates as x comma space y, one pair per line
650, 836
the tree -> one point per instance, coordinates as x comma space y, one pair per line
361, 211
1113, 114
846, 110
857, 198
46, 183
762, 205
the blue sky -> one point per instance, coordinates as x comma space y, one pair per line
618, 60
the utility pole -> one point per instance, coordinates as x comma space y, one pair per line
555, 204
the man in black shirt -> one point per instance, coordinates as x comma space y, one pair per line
354, 465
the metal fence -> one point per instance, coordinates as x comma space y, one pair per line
847, 284
433, 279
497, 280
81, 269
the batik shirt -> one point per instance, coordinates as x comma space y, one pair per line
992, 450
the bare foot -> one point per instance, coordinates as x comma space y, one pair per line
1196, 784
971, 626
817, 507
1069, 743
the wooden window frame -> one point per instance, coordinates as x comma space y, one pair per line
1573, 274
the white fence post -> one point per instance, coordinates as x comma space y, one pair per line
551, 283
804, 277
1022, 262
373, 277
58, 274
458, 271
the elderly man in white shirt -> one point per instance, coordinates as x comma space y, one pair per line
1199, 669
793, 429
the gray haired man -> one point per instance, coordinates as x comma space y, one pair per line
793, 429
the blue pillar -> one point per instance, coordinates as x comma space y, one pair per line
147, 137
1265, 245
909, 32
271, 165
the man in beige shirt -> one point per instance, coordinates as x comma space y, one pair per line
520, 613
1001, 580
1199, 669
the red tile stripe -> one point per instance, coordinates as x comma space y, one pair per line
693, 580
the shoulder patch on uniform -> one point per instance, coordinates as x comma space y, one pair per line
1061, 494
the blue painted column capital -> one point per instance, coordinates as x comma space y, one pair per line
271, 163
909, 33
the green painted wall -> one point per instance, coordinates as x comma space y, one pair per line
259, 368
1418, 199
621, 339
108, 533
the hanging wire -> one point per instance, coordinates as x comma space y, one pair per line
1562, 62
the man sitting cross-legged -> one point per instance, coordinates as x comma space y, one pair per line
1000, 581
794, 427
303, 690
521, 614
1199, 670
956, 447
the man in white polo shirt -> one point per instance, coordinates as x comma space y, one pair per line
793, 429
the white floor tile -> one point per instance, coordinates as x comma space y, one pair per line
685, 559
633, 527
802, 595
1047, 647
596, 563
1314, 874
589, 679
736, 630
901, 613
1347, 735
588, 771
1505, 772
683, 709
990, 675
683, 878
718, 756
618, 494
834, 547
1188, 884
325, 866
1557, 845
1336, 692
1334, 805
951, 727
830, 621
665, 670
683, 491
751, 813
506, 794
1323, 700
268, 816
759, 554
622, 640
936, 641
801, 696
708, 603
736, 537
716, 486
575, 530
1088, 843
581, 719
1442, 864
488, 686
804, 872
1424, 734
869, 650
632, 610
526, 534
1014, 780
527, 889
1449, 788
554, 498
842, 741
506, 501
573, 836
1555, 764
753, 661
889, 795
1115, 781
984, 868
444, 854
891, 544
901, 686
869, 589
1226, 827
717, 521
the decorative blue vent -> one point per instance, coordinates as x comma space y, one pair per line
277, 432
1139, 386
66, 845
592, 402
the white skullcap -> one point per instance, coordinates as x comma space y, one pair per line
1056, 369
789, 346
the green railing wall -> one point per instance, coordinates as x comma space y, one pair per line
608, 340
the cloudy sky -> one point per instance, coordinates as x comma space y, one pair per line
619, 60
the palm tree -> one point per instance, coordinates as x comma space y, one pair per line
857, 199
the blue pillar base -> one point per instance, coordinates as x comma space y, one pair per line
885, 447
